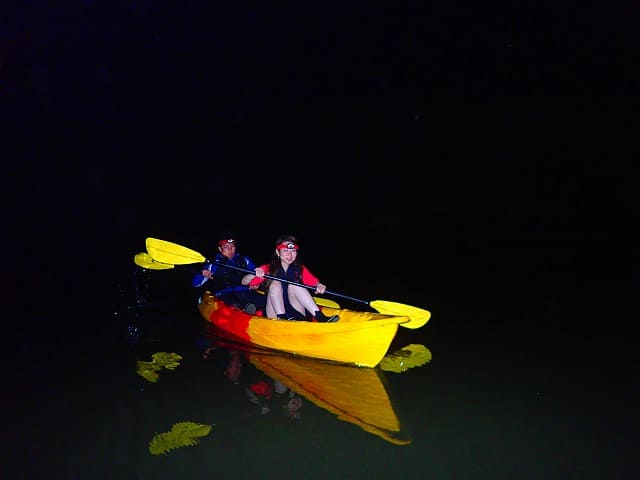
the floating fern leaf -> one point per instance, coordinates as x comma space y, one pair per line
160, 360
167, 360
413, 355
182, 434
148, 370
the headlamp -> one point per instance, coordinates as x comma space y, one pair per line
287, 246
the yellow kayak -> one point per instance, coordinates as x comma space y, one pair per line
358, 338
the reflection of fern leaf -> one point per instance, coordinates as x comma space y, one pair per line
413, 355
183, 434
150, 376
167, 360
147, 370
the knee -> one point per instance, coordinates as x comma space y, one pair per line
296, 290
275, 288
299, 292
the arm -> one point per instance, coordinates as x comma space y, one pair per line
201, 278
250, 264
309, 278
254, 280
246, 280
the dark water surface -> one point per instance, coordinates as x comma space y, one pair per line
528, 380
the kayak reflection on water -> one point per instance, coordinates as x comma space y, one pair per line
353, 394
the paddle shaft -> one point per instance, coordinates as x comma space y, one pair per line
291, 282
143, 262
172, 253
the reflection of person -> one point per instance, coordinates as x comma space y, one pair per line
284, 300
227, 282
234, 368
293, 404
264, 392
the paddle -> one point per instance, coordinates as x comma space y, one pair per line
171, 253
145, 260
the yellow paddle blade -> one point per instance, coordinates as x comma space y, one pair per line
417, 316
325, 302
145, 260
172, 253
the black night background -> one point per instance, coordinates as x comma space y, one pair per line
454, 129
469, 158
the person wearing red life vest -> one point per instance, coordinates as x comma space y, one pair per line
286, 301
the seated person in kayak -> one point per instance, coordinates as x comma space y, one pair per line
227, 282
285, 300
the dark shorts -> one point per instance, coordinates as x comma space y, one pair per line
291, 312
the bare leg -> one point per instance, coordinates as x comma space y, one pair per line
301, 299
275, 300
